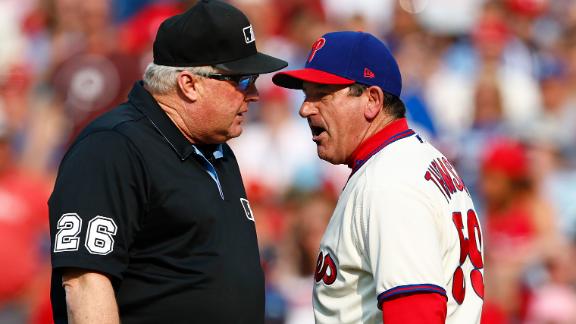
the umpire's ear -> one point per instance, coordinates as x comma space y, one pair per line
187, 85
374, 104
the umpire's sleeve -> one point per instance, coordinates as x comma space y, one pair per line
96, 205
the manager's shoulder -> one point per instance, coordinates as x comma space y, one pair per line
403, 161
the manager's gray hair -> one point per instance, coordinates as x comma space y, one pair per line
161, 79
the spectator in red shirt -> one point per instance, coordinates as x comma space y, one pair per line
23, 234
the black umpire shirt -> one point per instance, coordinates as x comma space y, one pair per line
133, 200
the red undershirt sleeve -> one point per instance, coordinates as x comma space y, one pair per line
415, 308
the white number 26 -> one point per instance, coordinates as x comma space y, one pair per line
99, 240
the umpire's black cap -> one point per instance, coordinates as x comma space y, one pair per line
212, 33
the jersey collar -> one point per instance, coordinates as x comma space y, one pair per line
217, 154
394, 131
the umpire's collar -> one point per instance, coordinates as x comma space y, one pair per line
140, 98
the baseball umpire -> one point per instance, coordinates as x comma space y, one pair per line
404, 238
149, 218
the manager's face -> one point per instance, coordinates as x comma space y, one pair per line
336, 119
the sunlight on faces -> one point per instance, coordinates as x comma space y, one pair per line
336, 120
219, 110
226, 108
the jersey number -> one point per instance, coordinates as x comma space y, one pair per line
99, 240
469, 247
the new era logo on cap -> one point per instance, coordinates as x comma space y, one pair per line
369, 74
249, 34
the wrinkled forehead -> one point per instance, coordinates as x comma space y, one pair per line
311, 87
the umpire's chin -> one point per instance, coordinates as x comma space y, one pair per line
236, 128
221, 132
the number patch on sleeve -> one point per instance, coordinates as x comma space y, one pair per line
69, 226
99, 239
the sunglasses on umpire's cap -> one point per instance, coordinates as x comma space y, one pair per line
346, 58
212, 33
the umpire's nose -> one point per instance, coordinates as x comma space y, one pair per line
252, 93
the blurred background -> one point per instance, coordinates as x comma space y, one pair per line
489, 82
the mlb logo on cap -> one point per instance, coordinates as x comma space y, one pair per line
346, 58
249, 34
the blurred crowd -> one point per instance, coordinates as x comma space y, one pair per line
490, 82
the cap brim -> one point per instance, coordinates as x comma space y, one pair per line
294, 79
258, 63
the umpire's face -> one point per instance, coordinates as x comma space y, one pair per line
216, 108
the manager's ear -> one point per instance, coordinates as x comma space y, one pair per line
188, 85
374, 103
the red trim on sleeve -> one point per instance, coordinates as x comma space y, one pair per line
415, 308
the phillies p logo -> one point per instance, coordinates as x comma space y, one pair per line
316, 47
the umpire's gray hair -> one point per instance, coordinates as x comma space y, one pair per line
161, 79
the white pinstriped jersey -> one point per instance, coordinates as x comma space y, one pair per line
404, 223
